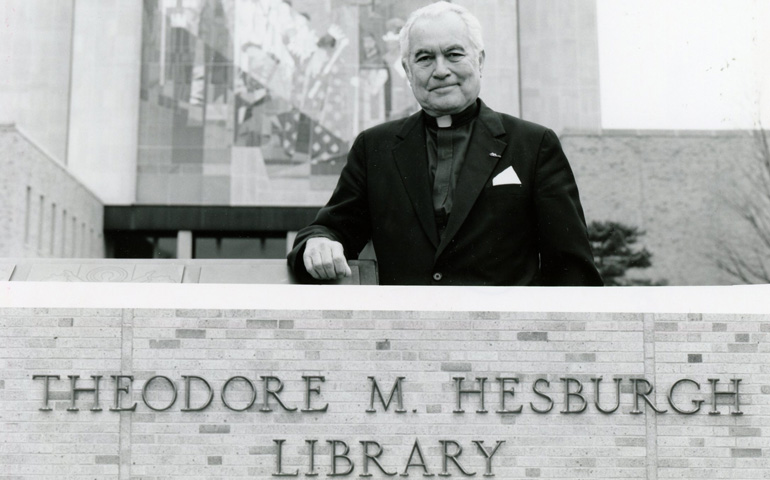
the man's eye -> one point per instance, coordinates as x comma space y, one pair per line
455, 56
423, 59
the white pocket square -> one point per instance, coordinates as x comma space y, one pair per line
506, 177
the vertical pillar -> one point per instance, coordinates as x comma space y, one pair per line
184, 244
560, 63
500, 81
290, 236
104, 102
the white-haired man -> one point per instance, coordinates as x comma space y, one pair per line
456, 194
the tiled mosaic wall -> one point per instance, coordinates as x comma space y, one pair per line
430, 350
257, 101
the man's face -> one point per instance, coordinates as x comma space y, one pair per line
442, 67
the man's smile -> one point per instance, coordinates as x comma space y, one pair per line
442, 88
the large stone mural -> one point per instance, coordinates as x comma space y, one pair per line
256, 102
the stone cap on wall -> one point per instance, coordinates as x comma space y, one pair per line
266, 285
262, 271
650, 132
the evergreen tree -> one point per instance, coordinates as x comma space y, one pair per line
615, 252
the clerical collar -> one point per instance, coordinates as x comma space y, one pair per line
455, 120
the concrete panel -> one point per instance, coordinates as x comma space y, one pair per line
181, 270
272, 273
560, 63
35, 48
500, 80
104, 118
105, 272
6, 270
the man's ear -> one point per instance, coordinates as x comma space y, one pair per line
406, 69
482, 56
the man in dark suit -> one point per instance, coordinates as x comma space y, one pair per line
456, 194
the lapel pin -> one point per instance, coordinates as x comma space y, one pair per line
493, 154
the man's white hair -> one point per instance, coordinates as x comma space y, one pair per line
435, 10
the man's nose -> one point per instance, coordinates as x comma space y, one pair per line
442, 68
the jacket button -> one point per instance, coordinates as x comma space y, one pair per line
437, 276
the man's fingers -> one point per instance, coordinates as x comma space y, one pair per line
313, 264
341, 267
327, 263
324, 259
308, 264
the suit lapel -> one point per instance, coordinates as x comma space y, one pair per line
412, 162
476, 170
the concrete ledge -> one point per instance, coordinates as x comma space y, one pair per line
657, 133
685, 300
232, 271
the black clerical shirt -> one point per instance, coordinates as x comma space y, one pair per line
447, 147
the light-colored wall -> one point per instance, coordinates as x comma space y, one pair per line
677, 186
104, 116
427, 348
35, 52
44, 210
560, 63
500, 81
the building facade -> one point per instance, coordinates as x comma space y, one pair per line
216, 128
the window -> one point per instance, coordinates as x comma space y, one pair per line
143, 245
209, 245
239, 246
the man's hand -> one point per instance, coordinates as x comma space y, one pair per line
325, 259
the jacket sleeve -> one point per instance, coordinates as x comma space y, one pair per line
345, 218
565, 252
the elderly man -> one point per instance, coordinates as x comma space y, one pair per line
456, 194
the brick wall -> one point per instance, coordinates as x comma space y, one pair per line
44, 210
428, 349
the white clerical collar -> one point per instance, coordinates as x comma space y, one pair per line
444, 121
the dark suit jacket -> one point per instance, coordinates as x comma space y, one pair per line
528, 234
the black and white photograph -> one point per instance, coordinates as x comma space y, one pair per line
381, 238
